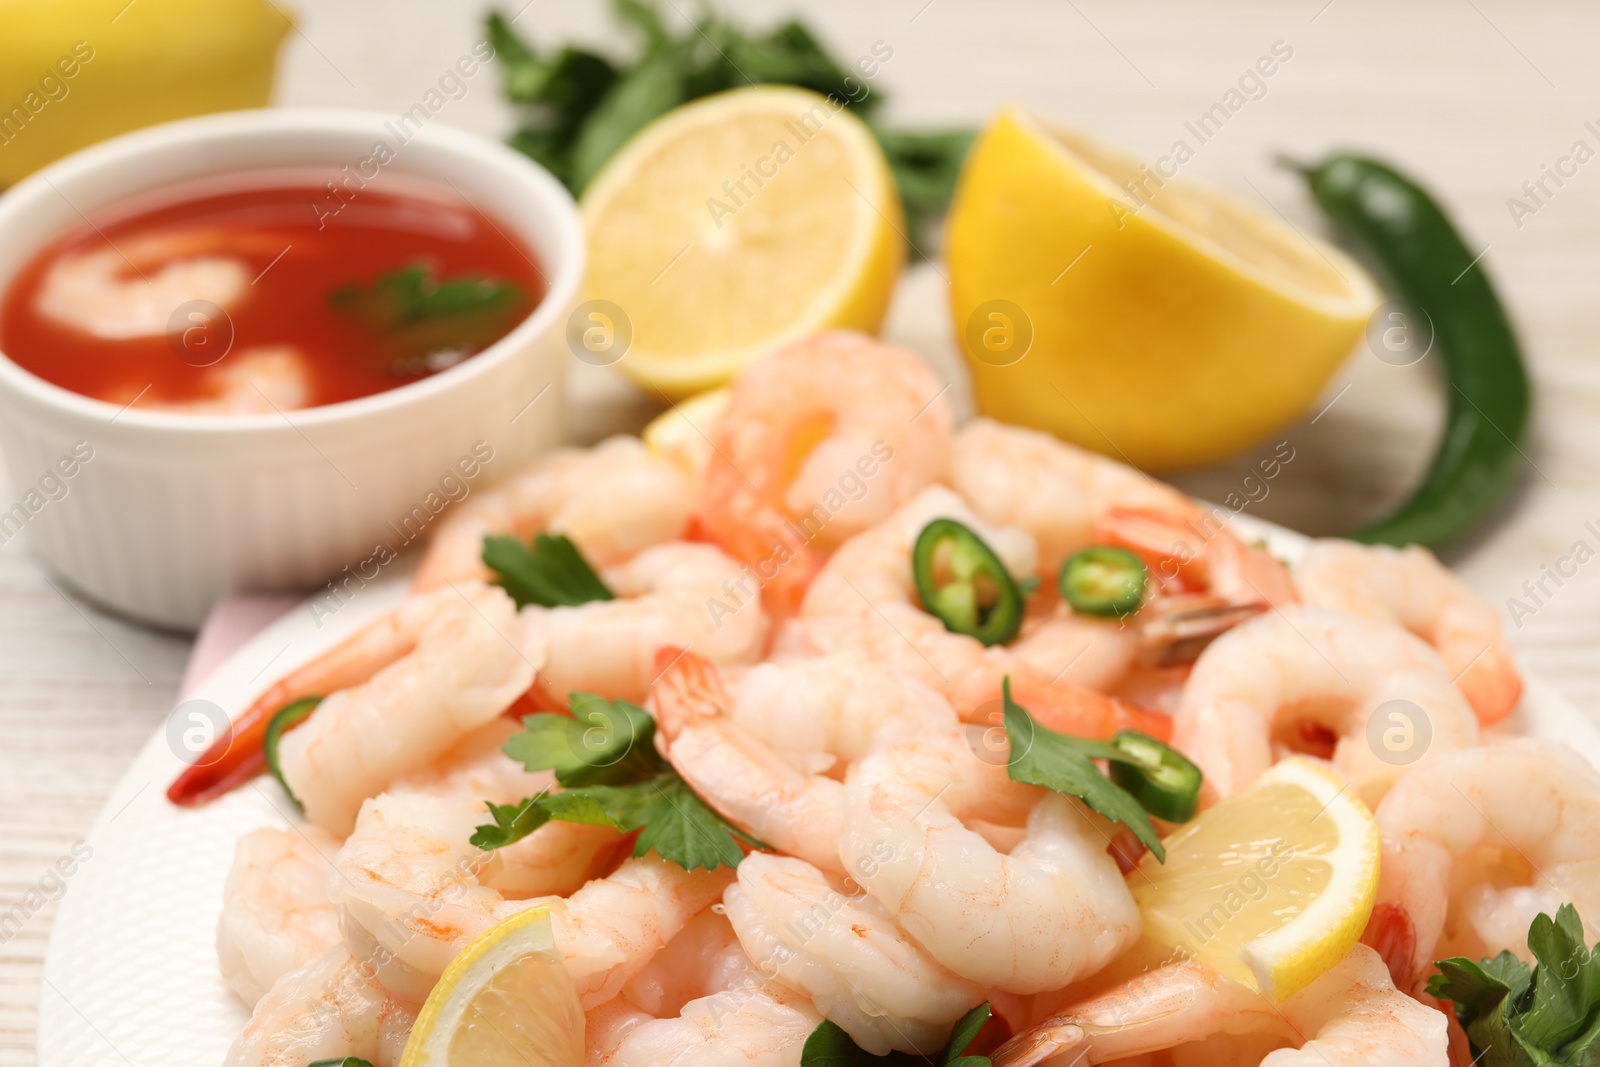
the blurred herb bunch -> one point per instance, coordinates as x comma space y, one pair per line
580, 106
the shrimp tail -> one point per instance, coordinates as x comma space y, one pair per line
1082, 712
687, 686
240, 754
1391, 933
1042, 1044
235, 757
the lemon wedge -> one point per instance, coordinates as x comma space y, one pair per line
505, 1001
1271, 887
736, 223
1141, 316
682, 433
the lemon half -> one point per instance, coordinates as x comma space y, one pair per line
739, 222
1169, 325
1271, 887
505, 1001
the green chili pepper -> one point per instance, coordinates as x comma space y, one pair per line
964, 584
286, 718
1398, 225
1103, 581
1160, 778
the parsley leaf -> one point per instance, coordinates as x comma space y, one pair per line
551, 572
424, 323
512, 822
605, 757
829, 1046
1516, 1016
603, 742
1040, 756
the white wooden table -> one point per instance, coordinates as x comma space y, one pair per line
1472, 95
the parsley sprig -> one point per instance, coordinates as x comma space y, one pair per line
605, 759
830, 1046
425, 322
1040, 756
1517, 1016
550, 572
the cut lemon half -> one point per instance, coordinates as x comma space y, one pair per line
736, 223
1130, 311
505, 1001
1271, 887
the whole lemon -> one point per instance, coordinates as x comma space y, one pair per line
73, 72
1159, 322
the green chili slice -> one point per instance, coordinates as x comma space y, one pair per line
287, 718
1160, 777
963, 583
1103, 581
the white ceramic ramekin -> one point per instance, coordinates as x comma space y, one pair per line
170, 513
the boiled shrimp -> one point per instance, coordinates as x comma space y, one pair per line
133, 289
663, 595
1051, 910
327, 1009
765, 1026
276, 915
614, 500
865, 600
441, 665
1351, 1016
700, 1001
1478, 842
846, 954
1311, 680
414, 888
821, 439
1410, 587
1012, 476
1067, 498
736, 773
772, 759
260, 380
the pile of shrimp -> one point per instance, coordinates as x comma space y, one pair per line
767, 618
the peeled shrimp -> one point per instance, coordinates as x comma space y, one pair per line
275, 910
327, 1009
821, 439
1410, 587
1478, 842
845, 953
411, 883
132, 290
765, 1026
1051, 910
609, 646
1067, 498
736, 773
760, 760
260, 380
1287, 680
865, 600
403, 692
1012, 476
1352, 1016
614, 500
700, 1001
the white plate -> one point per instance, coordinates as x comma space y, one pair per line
131, 974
